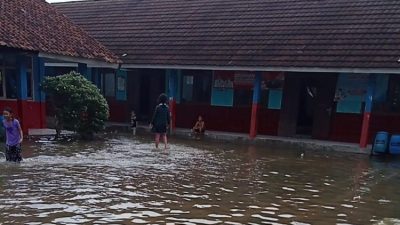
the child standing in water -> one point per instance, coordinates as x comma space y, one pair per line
14, 136
160, 121
133, 122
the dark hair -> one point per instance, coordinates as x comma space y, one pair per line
8, 109
163, 99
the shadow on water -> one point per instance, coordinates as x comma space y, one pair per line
125, 180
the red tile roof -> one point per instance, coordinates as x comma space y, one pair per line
37, 26
252, 33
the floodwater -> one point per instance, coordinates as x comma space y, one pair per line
125, 180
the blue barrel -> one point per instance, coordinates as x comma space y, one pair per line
381, 142
394, 147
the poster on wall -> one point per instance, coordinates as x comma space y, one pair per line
350, 92
222, 89
121, 84
273, 83
223, 81
244, 80
110, 84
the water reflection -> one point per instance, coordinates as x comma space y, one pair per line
126, 181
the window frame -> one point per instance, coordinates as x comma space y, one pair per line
196, 74
4, 67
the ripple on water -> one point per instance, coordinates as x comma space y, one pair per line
139, 221
71, 220
48, 206
195, 221
264, 217
84, 197
219, 216
384, 201
286, 215
237, 215
298, 223
201, 206
226, 190
253, 207
123, 181
288, 189
388, 221
268, 212
271, 208
128, 205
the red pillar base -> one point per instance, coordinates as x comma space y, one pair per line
172, 107
253, 121
364, 130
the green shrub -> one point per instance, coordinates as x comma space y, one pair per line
78, 104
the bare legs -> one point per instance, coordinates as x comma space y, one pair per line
165, 140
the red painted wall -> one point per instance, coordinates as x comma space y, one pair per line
119, 111
383, 122
13, 105
346, 127
30, 114
268, 121
216, 118
227, 118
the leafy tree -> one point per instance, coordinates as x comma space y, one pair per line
78, 104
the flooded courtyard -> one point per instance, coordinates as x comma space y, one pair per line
125, 180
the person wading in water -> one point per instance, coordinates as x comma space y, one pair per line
161, 120
14, 136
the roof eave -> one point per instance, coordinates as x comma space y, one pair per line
266, 68
89, 62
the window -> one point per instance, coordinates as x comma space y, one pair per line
187, 88
11, 83
196, 86
394, 94
9, 75
29, 84
110, 84
243, 85
29, 77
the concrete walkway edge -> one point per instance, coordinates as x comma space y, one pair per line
267, 141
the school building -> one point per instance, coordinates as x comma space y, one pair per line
327, 69
32, 34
